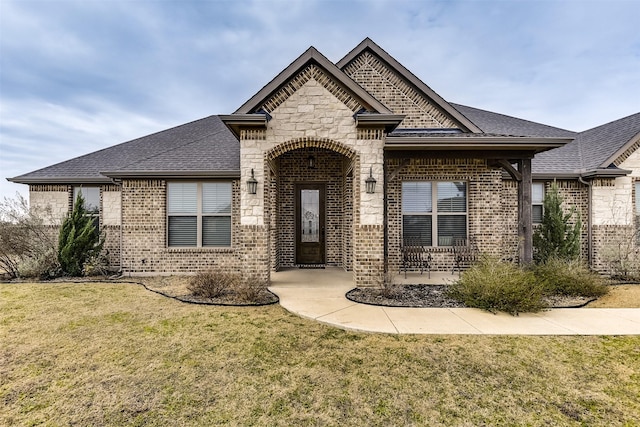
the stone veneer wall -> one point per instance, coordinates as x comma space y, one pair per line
144, 248
613, 218
52, 201
110, 221
484, 205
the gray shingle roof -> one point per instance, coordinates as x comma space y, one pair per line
203, 145
500, 124
591, 149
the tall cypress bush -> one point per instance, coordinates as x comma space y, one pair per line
556, 237
79, 240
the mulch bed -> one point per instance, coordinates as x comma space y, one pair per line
434, 296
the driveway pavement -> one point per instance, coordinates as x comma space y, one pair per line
320, 295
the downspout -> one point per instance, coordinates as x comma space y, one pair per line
589, 219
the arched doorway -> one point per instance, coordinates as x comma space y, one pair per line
310, 207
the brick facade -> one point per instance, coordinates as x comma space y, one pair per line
486, 218
144, 231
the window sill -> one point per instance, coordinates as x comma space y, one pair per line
217, 249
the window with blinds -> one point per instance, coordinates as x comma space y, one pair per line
537, 202
434, 209
199, 214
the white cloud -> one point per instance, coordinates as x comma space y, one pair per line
81, 75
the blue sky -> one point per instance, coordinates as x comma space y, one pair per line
78, 76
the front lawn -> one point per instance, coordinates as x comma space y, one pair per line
116, 354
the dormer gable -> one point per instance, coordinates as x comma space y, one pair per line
400, 90
312, 65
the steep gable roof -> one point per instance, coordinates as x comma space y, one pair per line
311, 56
205, 147
417, 88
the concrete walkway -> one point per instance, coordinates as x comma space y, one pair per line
320, 295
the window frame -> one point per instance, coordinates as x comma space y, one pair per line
95, 214
538, 203
435, 214
199, 215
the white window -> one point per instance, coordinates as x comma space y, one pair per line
537, 202
91, 196
199, 214
434, 209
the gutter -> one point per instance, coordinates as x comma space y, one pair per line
171, 174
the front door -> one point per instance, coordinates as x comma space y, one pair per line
310, 224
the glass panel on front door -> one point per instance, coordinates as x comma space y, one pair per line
310, 216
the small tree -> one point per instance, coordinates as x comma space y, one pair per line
556, 237
79, 240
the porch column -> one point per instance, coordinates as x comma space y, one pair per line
525, 224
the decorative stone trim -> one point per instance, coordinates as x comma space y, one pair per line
308, 73
110, 187
48, 187
298, 143
604, 182
253, 134
369, 134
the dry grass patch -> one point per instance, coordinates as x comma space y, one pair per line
619, 296
116, 354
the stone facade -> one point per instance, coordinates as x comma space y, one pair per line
52, 201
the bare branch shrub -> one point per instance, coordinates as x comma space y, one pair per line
27, 245
250, 288
213, 283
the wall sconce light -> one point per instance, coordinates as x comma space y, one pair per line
252, 184
311, 161
370, 183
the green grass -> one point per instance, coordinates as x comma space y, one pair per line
115, 354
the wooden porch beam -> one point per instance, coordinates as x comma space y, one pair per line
525, 223
397, 170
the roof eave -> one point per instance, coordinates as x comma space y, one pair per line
389, 121
237, 121
59, 180
605, 173
536, 145
161, 174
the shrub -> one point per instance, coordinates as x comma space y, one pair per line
27, 245
570, 278
556, 237
250, 288
96, 265
78, 241
498, 286
213, 283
